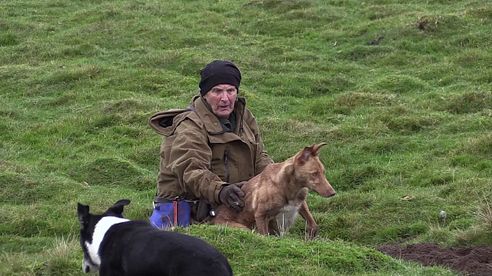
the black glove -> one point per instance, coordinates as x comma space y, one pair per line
232, 196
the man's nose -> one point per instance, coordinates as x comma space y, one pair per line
223, 97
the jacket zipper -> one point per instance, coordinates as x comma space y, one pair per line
226, 165
241, 122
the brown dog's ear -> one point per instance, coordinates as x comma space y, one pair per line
308, 152
317, 147
303, 156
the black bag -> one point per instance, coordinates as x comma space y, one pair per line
203, 211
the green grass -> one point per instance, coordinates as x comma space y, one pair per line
400, 91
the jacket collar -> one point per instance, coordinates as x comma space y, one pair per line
210, 121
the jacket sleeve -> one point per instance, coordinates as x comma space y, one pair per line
190, 159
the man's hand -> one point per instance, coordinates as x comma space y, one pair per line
232, 196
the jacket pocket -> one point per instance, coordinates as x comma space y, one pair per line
217, 162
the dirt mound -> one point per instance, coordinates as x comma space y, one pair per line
469, 261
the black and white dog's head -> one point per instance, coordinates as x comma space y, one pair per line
92, 230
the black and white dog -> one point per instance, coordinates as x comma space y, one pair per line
117, 246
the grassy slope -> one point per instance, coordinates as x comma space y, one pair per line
408, 114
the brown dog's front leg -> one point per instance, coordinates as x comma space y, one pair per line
312, 227
261, 224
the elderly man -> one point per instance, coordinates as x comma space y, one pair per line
207, 151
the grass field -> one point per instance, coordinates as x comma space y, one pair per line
400, 90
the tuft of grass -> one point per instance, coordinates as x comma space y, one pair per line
60, 256
470, 102
484, 214
8, 39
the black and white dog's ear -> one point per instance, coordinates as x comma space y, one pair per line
117, 208
83, 214
122, 202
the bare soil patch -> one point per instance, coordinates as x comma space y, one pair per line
466, 260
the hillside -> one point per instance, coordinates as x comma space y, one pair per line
400, 90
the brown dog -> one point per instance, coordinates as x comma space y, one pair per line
274, 197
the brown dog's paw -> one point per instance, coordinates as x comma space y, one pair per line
312, 232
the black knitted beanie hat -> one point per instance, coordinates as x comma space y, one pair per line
219, 72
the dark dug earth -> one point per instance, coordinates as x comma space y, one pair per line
468, 261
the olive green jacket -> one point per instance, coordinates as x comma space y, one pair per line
198, 157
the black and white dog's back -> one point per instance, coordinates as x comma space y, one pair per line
117, 246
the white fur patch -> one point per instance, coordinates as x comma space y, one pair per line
287, 216
99, 231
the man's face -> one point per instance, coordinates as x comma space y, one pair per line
222, 98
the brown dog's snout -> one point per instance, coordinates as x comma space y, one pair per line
327, 191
